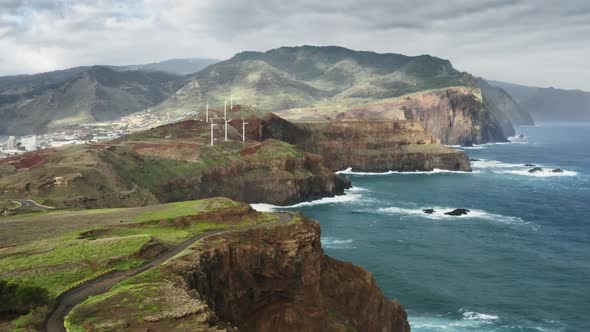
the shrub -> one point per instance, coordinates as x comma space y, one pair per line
19, 299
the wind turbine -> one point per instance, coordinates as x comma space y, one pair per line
244, 123
225, 109
207, 112
212, 125
226, 121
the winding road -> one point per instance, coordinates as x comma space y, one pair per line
29, 203
70, 299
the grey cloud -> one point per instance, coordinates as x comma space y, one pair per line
533, 42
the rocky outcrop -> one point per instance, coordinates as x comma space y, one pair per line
371, 145
455, 115
278, 279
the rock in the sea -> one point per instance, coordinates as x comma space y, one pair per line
457, 212
429, 211
530, 165
521, 136
474, 159
535, 170
557, 170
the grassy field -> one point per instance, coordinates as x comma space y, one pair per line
56, 250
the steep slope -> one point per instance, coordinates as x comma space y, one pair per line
455, 115
36, 103
550, 104
369, 145
505, 105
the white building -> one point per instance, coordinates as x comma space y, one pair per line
11, 143
29, 142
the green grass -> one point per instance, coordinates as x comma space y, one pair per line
181, 209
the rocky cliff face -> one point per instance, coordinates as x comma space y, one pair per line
282, 180
455, 115
279, 279
506, 109
370, 145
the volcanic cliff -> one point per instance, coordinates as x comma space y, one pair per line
370, 145
280, 280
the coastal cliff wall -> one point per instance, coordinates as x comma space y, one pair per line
371, 145
455, 115
279, 279
279, 180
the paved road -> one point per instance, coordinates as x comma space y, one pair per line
28, 203
69, 300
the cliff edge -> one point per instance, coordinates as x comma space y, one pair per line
265, 279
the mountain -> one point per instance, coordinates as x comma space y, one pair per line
331, 79
550, 104
172, 66
36, 103
290, 77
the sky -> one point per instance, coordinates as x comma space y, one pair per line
532, 42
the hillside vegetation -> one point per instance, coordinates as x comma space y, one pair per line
37, 103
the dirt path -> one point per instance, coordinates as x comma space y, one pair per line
55, 322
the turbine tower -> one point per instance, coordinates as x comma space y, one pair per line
226, 121
244, 123
212, 125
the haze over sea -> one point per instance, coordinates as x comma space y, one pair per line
520, 261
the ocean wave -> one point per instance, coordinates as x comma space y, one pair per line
333, 243
483, 163
349, 171
355, 189
440, 214
472, 315
469, 321
263, 207
500, 167
545, 173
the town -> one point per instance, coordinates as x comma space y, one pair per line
88, 133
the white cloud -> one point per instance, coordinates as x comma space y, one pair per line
513, 40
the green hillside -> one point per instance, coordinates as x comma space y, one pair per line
37, 103
291, 77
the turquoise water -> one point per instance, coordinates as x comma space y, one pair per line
520, 261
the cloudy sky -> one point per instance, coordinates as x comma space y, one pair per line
534, 42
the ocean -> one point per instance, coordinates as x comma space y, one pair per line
519, 261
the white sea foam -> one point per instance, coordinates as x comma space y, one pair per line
263, 207
349, 171
483, 163
472, 315
440, 214
518, 169
545, 173
333, 243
